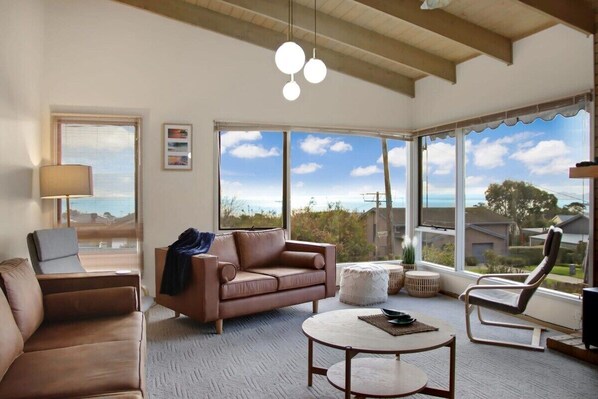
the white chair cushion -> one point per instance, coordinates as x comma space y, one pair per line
364, 284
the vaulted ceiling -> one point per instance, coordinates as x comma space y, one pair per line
391, 43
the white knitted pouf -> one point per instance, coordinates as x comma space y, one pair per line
364, 284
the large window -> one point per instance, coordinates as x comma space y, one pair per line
251, 179
515, 186
108, 224
334, 183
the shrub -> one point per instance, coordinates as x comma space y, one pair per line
471, 261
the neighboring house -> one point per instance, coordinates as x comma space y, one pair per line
484, 228
575, 230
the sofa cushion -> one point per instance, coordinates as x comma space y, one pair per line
248, 284
293, 277
11, 340
106, 329
259, 248
74, 372
225, 249
101, 302
24, 294
226, 272
308, 260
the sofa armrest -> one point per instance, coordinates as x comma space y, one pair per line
200, 299
67, 282
328, 251
102, 302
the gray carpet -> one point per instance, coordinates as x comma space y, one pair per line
265, 356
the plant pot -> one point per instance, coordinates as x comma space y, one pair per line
408, 266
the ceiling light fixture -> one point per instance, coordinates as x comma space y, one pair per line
290, 57
433, 4
291, 90
315, 69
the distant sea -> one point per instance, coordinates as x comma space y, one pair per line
123, 206
118, 207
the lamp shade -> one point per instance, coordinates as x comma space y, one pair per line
57, 181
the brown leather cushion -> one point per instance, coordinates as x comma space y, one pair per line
11, 340
308, 260
106, 329
259, 248
248, 284
75, 372
293, 277
227, 272
100, 302
225, 249
24, 294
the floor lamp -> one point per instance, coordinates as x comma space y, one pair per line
65, 181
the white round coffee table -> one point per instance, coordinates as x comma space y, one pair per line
376, 377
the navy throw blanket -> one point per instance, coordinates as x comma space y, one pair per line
178, 259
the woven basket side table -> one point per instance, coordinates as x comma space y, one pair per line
422, 284
396, 278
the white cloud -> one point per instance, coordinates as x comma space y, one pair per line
306, 168
315, 145
103, 138
518, 137
474, 180
233, 138
488, 154
299, 184
441, 156
365, 171
546, 157
251, 151
341, 146
397, 157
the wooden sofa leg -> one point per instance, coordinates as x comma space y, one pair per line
315, 306
219, 324
177, 314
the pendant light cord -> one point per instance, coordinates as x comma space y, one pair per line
289, 27
315, 25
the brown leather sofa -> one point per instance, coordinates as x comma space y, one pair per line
247, 272
75, 335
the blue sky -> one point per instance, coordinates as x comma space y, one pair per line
335, 167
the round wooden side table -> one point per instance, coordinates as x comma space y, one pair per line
422, 284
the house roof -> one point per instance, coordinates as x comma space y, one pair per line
473, 215
388, 43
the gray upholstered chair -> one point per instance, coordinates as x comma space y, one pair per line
54, 251
512, 298
57, 251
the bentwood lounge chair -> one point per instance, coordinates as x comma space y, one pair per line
511, 298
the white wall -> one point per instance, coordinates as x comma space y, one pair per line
548, 65
21, 61
106, 56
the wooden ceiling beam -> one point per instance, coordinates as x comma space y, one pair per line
577, 14
353, 35
448, 26
266, 38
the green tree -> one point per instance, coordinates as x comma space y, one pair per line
525, 204
574, 208
336, 225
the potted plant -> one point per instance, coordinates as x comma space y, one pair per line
409, 246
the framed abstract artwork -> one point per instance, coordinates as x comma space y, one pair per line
177, 146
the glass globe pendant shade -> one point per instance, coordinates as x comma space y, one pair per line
289, 58
291, 90
315, 70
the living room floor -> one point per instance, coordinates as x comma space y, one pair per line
265, 356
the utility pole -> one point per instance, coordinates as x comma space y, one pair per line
390, 242
376, 211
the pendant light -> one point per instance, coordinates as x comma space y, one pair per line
290, 57
315, 69
291, 90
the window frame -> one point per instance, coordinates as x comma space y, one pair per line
57, 119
